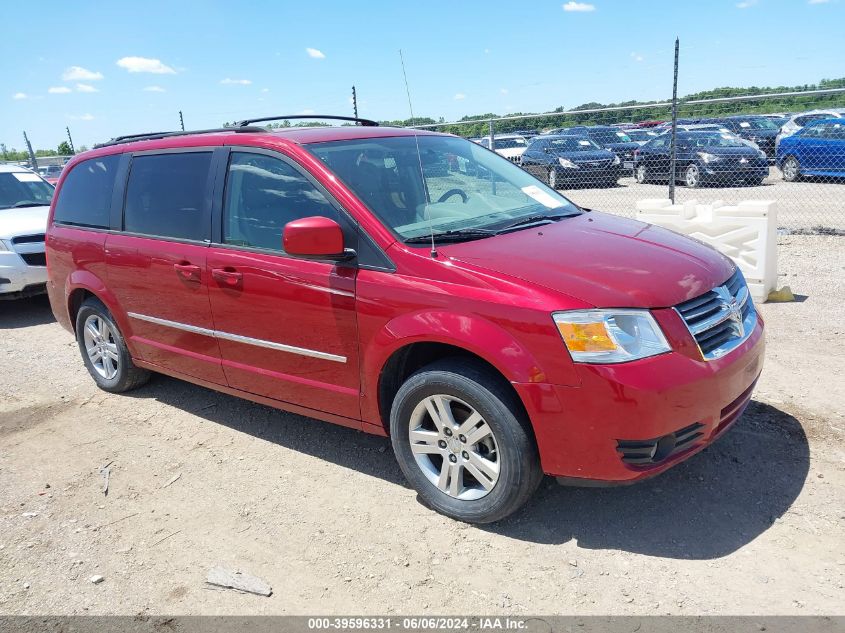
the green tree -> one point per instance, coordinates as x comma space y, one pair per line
64, 149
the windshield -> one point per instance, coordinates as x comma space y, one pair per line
610, 137
509, 143
758, 124
23, 189
453, 184
714, 140
641, 135
573, 144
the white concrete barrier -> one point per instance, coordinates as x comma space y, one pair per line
745, 232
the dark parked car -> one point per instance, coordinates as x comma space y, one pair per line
702, 157
760, 130
571, 159
817, 149
610, 138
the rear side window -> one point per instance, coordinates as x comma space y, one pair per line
85, 197
166, 195
263, 194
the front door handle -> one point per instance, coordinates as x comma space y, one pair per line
187, 271
227, 276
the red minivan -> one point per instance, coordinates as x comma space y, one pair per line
408, 284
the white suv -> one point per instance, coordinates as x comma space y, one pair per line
24, 203
511, 146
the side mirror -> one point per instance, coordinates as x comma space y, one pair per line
316, 237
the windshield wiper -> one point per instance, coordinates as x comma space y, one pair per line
22, 205
533, 219
457, 235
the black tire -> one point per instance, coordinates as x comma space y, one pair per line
791, 169
127, 376
486, 392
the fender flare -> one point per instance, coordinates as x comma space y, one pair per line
86, 280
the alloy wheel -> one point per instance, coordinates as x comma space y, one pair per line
692, 176
454, 447
553, 178
790, 169
641, 174
101, 346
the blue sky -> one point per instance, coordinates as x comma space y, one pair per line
110, 68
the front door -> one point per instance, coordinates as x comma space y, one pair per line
286, 326
157, 265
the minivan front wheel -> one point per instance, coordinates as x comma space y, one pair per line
104, 351
462, 442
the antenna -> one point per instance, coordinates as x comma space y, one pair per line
419, 157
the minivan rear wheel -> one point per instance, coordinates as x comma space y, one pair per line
463, 443
104, 351
553, 178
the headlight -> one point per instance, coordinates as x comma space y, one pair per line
761, 154
616, 160
564, 162
610, 336
708, 158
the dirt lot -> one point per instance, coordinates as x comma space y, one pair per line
755, 524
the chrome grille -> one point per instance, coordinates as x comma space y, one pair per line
720, 319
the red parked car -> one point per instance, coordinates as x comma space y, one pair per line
408, 284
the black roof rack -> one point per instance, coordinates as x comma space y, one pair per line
365, 122
149, 136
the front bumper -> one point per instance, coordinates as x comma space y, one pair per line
589, 176
587, 432
17, 278
714, 173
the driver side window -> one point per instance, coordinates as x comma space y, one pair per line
263, 193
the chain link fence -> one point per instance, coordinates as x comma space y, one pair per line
787, 146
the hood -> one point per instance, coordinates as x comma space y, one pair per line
26, 221
621, 147
748, 152
604, 260
583, 157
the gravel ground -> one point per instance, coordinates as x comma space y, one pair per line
801, 205
753, 525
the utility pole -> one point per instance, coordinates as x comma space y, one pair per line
673, 146
32, 160
354, 102
3, 149
70, 140
181, 121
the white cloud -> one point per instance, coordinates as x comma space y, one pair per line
746, 4
235, 82
460, 96
58, 90
579, 7
265, 90
78, 73
315, 53
817, 1
486, 51
637, 57
308, 111
86, 88
154, 89
145, 65
19, 95
81, 117
504, 91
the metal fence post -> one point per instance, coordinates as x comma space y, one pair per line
32, 158
672, 145
492, 149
